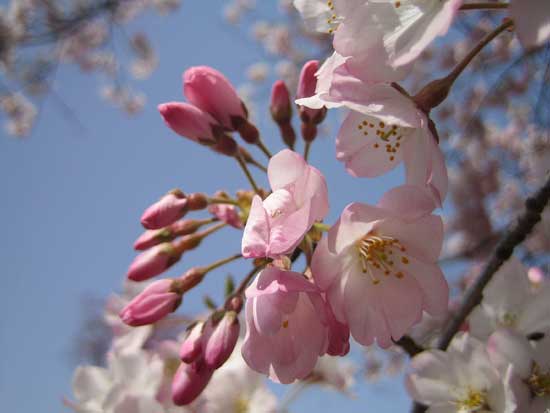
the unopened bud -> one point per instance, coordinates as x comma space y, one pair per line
281, 110
165, 211
188, 242
211, 91
433, 94
189, 382
151, 305
227, 213
235, 304
191, 348
153, 262
154, 237
197, 201
221, 342
190, 122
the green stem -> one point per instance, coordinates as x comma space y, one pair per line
215, 200
263, 148
246, 171
223, 261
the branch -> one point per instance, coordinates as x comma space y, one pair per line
504, 249
409, 346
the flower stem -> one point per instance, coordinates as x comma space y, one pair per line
263, 148
246, 171
223, 261
514, 236
215, 200
483, 6
306, 150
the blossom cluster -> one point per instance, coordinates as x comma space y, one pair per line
373, 275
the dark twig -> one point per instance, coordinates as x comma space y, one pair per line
409, 346
504, 249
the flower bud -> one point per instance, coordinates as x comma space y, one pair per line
280, 108
190, 122
151, 305
306, 88
221, 342
153, 262
210, 91
154, 237
189, 382
227, 213
191, 348
167, 210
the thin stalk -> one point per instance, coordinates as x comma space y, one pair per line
223, 261
215, 200
263, 148
306, 150
246, 171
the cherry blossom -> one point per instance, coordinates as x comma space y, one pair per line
460, 380
276, 225
509, 301
286, 331
378, 266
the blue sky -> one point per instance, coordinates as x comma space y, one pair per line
72, 197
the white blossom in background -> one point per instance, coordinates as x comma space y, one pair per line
129, 383
460, 380
510, 302
336, 373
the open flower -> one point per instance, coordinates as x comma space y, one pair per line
276, 225
383, 129
286, 325
460, 380
509, 301
530, 370
378, 266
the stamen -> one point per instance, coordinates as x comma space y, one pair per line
374, 254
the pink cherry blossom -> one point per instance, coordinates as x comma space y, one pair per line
383, 129
393, 34
276, 225
378, 266
190, 122
191, 348
210, 91
531, 21
306, 88
286, 325
166, 211
153, 304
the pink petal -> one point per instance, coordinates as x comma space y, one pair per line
407, 201
256, 232
325, 266
430, 279
284, 168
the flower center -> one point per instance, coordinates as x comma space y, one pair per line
379, 254
241, 405
539, 381
389, 136
508, 320
474, 401
333, 20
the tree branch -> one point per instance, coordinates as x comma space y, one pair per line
504, 249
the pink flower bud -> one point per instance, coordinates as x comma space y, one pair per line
166, 211
154, 237
307, 82
151, 305
227, 213
221, 342
306, 88
191, 348
189, 382
210, 91
280, 108
152, 262
190, 122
